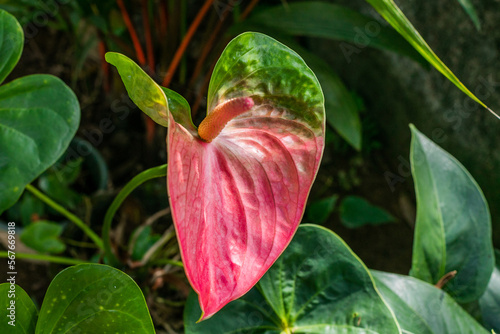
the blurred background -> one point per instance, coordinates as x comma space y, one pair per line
374, 82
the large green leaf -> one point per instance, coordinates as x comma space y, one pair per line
43, 236
422, 308
391, 12
453, 228
11, 43
318, 285
324, 20
39, 115
490, 300
20, 317
93, 298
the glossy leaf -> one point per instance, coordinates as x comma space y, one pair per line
23, 319
145, 93
93, 298
453, 227
11, 43
356, 212
471, 11
324, 20
421, 308
319, 211
490, 301
39, 115
43, 236
238, 200
318, 285
391, 12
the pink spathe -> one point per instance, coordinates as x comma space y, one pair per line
237, 200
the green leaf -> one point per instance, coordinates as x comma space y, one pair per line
453, 227
143, 242
391, 12
93, 298
11, 43
422, 308
490, 300
318, 211
25, 312
471, 11
39, 115
257, 66
324, 20
151, 98
356, 212
318, 285
43, 236
143, 91
342, 111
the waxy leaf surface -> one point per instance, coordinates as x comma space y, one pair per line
318, 285
490, 301
39, 115
453, 227
421, 308
94, 298
237, 200
25, 312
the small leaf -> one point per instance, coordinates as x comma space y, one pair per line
471, 11
421, 308
490, 300
453, 227
93, 298
43, 236
145, 239
391, 12
143, 91
318, 285
356, 212
319, 211
11, 43
20, 317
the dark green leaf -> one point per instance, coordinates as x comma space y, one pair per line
471, 11
11, 43
422, 308
490, 300
143, 242
391, 12
93, 298
21, 320
43, 236
317, 286
318, 211
39, 115
321, 19
356, 212
453, 227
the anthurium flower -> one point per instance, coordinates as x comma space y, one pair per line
239, 183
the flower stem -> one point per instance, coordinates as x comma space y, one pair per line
78, 222
148, 174
43, 257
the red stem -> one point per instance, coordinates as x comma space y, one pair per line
187, 38
149, 40
248, 9
133, 34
